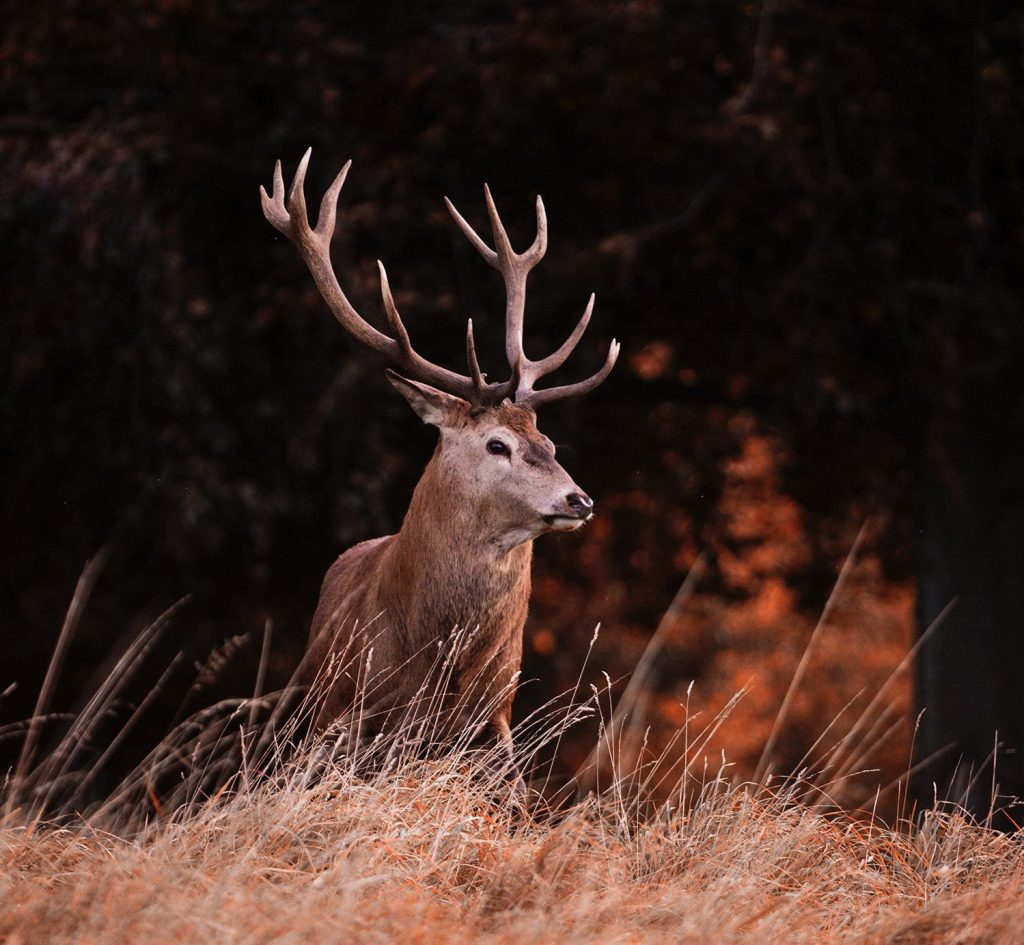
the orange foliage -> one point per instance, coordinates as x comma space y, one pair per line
748, 626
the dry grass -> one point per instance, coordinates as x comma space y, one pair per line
424, 854
233, 831
307, 849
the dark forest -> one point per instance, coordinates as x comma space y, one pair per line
802, 221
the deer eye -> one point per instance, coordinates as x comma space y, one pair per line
497, 448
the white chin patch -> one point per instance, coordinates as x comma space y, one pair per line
563, 523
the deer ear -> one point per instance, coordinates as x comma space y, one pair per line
431, 405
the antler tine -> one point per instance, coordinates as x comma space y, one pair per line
489, 393
535, 398
554, 361
474, 365
478, 244
296, 202
394, 319
540, 241
273, 206
501, 241
328, 206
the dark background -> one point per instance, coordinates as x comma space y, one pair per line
802, 220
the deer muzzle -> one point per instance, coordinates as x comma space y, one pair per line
578, 508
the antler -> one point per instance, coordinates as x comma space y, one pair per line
514, 268
314, 245
289, 216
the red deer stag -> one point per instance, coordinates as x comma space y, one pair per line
462, 556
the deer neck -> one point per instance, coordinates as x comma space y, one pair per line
445, 543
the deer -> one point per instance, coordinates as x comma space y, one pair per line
462, 557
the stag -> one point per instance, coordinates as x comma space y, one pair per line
462, 556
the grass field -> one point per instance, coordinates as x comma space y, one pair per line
302, 849
236, 829
424, 854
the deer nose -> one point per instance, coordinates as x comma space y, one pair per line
582, 506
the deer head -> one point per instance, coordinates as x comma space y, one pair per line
496, 465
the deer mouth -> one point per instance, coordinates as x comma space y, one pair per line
566, 522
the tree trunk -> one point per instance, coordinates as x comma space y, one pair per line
970, 683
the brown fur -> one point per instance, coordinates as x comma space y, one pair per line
447, 568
